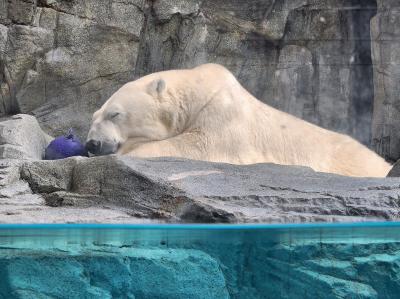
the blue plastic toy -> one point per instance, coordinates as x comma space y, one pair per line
64, 147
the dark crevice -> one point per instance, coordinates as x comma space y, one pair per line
361, 76
143, 54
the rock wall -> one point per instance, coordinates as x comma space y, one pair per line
385, 32
310, 58
60, 60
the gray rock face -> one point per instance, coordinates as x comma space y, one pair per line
63, 59
122, 189
386, 54
259, 44
395, 172
22, 138
293, 84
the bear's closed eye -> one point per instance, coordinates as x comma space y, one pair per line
114, 115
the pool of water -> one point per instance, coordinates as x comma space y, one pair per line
200, 261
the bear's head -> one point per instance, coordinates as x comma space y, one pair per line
136, 112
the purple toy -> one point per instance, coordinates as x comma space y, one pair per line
64, 147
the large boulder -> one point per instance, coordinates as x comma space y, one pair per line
177, 190
22, 138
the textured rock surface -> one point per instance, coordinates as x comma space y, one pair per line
349, 261
122, 189
62, 59
395, 171
139, 273
22, 138
386, 57
332, 269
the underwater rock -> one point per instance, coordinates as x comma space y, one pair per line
138, 273
350, 261
340, 269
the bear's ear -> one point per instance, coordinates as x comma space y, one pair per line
156, 87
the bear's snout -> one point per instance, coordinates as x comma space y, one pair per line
101, 147
93, 146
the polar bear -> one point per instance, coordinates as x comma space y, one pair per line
205, 114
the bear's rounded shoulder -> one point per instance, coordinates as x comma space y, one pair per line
212, 67
215, 72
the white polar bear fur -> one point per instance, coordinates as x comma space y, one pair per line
205, 114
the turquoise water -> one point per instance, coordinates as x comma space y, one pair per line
200, 261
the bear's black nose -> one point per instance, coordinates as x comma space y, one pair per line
93, 146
